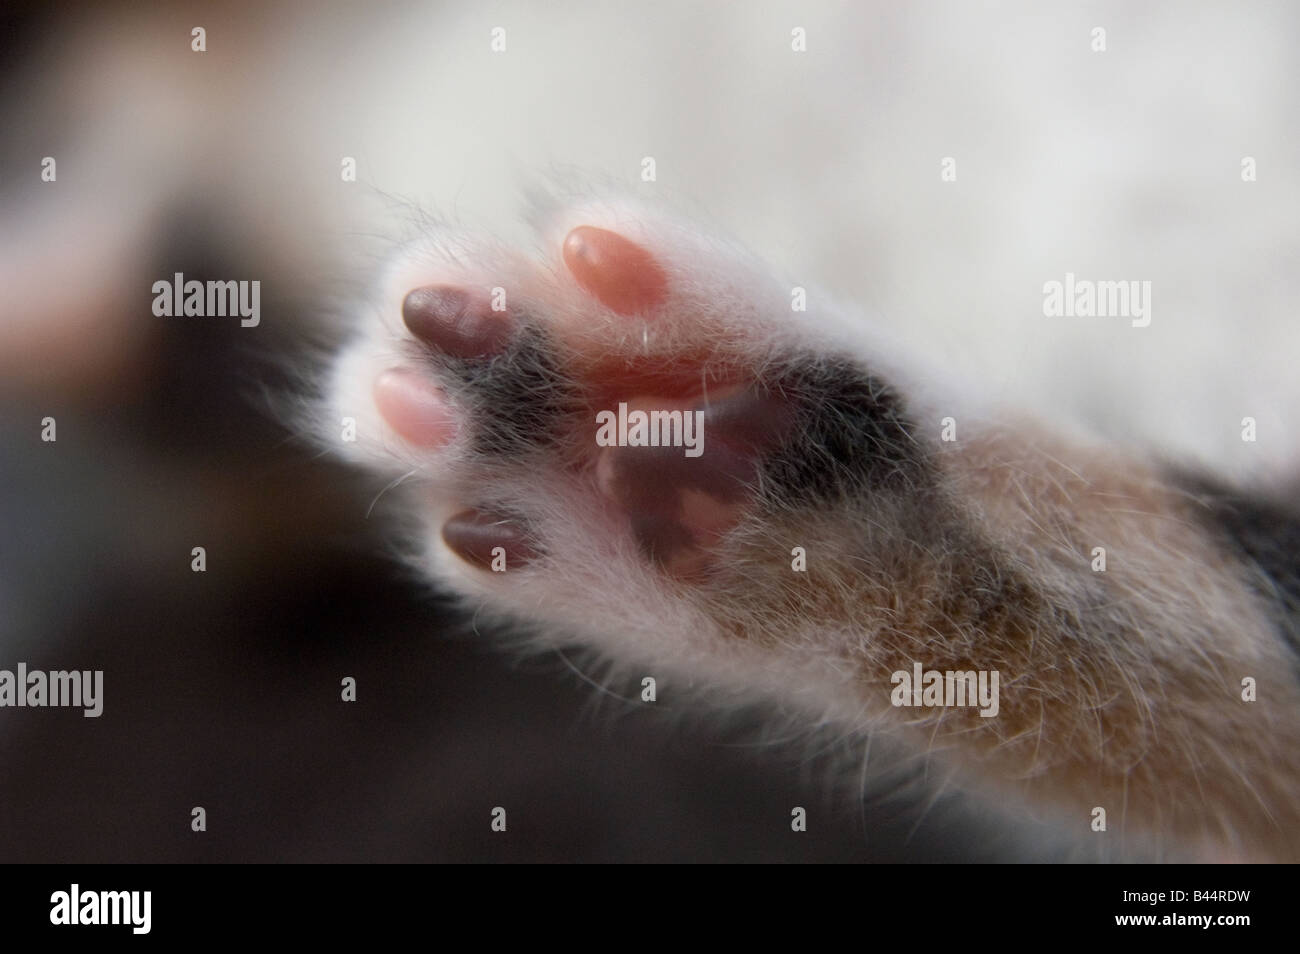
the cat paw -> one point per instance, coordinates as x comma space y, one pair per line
629, 439
634, 393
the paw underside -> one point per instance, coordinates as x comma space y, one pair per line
680, 423
626, 437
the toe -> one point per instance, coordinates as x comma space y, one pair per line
415, 408
456, 321
618, 272
488, 540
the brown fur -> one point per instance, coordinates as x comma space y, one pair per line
1120, 689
